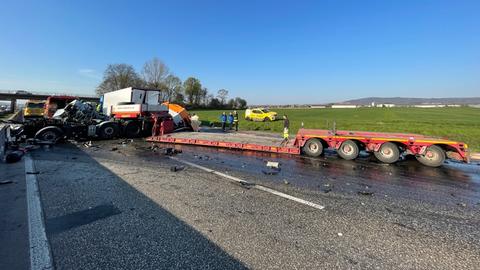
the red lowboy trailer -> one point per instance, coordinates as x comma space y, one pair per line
387, 147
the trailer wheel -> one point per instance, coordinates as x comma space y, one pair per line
132, 129
434, 156
388, 153
313, 147
108, 130
49, 134
348, 150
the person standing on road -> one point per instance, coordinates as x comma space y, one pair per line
230, 120
223, 119
235, 120
286, 126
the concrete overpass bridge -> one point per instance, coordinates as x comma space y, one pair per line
14, 95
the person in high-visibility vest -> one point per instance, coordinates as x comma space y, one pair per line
235, 120
286, 126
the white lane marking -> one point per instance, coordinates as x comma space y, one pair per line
256, 186
40, 255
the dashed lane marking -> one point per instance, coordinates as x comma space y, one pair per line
252, 185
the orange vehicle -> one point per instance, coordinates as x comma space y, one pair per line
56, 102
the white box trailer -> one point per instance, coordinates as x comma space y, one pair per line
122, 100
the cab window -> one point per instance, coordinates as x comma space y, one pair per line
35, 105
256, 111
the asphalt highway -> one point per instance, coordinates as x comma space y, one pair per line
122, 204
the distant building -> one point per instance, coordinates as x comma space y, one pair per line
429, 106
318, 106
385, 105
344, 106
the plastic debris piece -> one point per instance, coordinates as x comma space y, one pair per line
340, 234
273, 164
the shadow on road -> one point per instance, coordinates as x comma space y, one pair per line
97, 220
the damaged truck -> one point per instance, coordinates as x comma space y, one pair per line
129, 113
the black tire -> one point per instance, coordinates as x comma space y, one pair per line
313, 148
49, 134
247, 118
132, 129
388, 153
434, 156
265, 119
348, 150
108, 130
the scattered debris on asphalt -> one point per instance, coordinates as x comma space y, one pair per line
365, 192
340, 234
114, 149
14, 156
33, 172
271, 172
327, 188
177, 168
171, 151
273, 164
286, 182
6, 182
462, 204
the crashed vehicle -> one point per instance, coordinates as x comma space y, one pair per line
78, 120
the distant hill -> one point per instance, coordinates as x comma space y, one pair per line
413, 101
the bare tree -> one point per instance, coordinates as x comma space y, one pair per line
173, 88
222, 95
154, 74
118, 76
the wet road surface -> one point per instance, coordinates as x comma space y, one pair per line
120, 205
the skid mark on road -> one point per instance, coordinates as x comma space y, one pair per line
252, 185
40, 254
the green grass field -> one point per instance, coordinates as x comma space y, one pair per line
462, 124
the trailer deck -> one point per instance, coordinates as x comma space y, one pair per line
233, 140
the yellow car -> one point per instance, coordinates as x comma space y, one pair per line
260, 114
34, 108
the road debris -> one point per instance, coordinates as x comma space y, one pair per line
37, 172
171, 151
286, 182
340, 234
6, 182
365, 192
462, 204
14, 156
114, 149
273, 164
327, 188
177, 168
270, 172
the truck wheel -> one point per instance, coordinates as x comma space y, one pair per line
265, 119
434, 156
49, 134
108, 130
313, 148
388, 153
132, 129
348, 150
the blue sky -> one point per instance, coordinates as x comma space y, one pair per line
265, 51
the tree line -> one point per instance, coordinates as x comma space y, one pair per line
156, 75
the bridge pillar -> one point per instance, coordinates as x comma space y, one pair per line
13, 105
